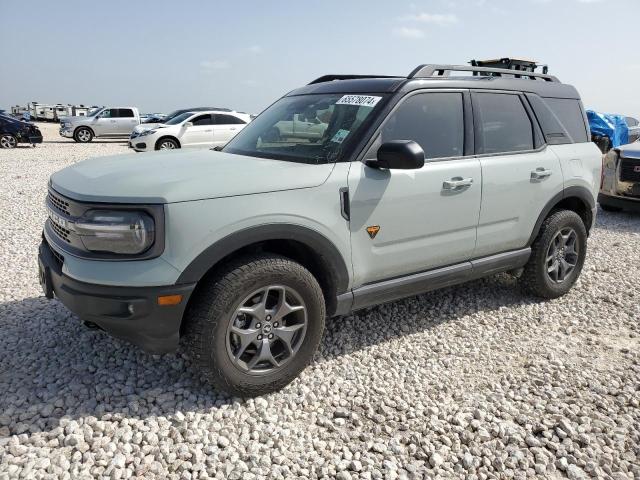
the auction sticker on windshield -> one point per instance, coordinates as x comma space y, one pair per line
359, 100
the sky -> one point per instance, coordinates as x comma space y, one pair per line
162, 55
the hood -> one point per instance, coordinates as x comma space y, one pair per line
182, 175
74, 118
145, 126
632, 150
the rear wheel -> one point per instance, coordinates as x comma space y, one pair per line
167, 144
557, 255
8, 141
256, 325
83, 135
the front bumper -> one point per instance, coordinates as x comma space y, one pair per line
66, 132
618, 201
130, 313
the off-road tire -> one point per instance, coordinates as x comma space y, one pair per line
535, 278
212, 308
78, 135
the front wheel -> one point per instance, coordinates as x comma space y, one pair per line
167, 144
256, 325
557, 255
83, 135
8, 141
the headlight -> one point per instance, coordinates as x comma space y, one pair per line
124, 232
147, 132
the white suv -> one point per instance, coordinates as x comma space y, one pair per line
191, 129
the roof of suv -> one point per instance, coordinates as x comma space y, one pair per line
443, 76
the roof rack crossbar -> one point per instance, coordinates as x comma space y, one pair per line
428, 71
330, 78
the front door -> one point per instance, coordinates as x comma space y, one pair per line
424, 218
104, 124
519, 174
199, 133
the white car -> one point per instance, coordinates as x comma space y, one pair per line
191, 129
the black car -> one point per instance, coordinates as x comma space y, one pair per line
14, 131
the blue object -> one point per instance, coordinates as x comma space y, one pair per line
609, 125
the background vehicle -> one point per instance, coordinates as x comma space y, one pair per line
152, 122
14, 131
634, 129
418, 182
620, 189
191, 129
101, 123
300, 125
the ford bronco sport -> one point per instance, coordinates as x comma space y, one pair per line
414, 183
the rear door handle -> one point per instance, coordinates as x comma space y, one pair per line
540, 173
456, 183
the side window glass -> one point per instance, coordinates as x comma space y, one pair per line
570, 114
107, 113
227, 120
434, 120
202, 120
125, 113
502, 124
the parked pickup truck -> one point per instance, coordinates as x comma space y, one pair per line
102, 122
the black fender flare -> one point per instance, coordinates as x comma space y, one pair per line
226, 246
581, 193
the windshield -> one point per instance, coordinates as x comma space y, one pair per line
179, 119
305, 128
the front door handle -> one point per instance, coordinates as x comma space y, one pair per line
540, 173
113, 121
457, 183
207, 131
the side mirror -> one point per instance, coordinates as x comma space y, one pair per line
399, 154
188, 124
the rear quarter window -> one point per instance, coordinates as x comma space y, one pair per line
569, 112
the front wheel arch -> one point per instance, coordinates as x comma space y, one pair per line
77, 129
166, 137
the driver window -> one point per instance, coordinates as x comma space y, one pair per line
434, 120
105, 114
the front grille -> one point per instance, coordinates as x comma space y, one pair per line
62, 232
59, 203
630, 170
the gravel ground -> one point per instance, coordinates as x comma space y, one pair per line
476, 381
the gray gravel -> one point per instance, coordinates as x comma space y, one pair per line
476, 381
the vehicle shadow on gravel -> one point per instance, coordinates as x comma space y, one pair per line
51, 367
70, 141
420, 313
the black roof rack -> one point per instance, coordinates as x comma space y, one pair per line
330, 78
430, 71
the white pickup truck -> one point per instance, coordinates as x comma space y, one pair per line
101, 122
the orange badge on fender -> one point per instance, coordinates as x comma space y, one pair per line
373, 231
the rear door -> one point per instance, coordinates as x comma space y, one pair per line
225, 128
124, 121
200, 133
520, 175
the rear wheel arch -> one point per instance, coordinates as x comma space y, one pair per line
303, 245
576, 199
